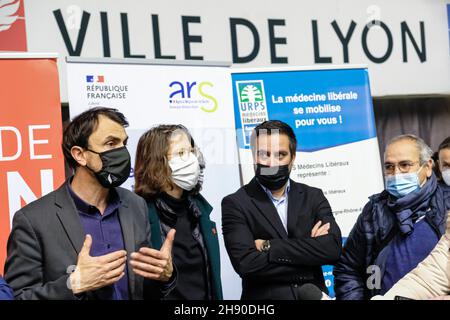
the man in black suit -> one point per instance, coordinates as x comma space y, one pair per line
74, 243
278, 233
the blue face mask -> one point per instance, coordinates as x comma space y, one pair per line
401, 184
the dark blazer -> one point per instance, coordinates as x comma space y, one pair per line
294, 257
47, 236
209, 234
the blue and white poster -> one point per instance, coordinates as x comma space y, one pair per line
331, 112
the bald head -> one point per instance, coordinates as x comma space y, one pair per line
423, 149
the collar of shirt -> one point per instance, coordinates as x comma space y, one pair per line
282, 198
82, 206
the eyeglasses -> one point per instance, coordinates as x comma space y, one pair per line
403, 166
184, 153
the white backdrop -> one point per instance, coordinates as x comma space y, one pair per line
142, 91
291, 20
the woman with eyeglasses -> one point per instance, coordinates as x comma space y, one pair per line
169, 175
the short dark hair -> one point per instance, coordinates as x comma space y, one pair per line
444, 144
281, 127
81, 127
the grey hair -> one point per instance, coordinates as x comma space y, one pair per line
425, 151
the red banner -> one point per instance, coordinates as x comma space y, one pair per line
31, 160
13, 36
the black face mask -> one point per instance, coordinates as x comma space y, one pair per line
115, 169
273, 178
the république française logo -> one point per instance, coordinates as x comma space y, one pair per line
97, 88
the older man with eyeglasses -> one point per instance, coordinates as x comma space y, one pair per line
398, 227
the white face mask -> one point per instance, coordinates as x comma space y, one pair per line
446, 176
185, 172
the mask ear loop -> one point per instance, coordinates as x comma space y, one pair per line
417, 173
90, 169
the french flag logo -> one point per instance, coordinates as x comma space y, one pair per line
97, 79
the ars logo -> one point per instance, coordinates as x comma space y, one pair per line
184, 94
13, 35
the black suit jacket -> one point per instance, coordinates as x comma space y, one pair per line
294, 257
47, 236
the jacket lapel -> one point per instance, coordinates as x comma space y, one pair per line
155, 237
262, 201
68, 215
294, 205
126, 222
209, 233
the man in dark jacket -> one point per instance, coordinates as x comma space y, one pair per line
398, 227
89, 239
278, 233
6, 292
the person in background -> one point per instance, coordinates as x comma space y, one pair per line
278, 233
169, 175
6, 293
443, 161
398, 228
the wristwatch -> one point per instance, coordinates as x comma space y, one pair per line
265, 246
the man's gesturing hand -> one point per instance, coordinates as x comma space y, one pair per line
155, 264
92, 273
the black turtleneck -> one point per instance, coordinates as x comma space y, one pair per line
187, 254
